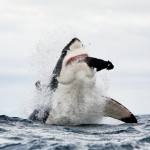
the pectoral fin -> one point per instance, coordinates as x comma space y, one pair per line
116, 110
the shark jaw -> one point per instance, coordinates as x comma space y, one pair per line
76, 59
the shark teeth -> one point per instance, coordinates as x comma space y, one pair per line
76, 59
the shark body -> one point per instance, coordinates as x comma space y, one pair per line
72, 83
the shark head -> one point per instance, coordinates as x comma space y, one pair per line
71, 65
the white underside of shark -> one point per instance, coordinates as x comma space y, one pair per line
77, 102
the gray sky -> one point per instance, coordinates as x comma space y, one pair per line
116, 30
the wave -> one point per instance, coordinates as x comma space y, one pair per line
19, 133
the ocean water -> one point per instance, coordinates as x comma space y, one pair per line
17, 134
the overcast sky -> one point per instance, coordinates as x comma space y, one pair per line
116, 30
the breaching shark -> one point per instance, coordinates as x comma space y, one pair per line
72, 83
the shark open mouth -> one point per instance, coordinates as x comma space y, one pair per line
77, 59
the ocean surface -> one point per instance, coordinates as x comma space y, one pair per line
22, 134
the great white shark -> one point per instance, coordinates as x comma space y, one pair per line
73, 80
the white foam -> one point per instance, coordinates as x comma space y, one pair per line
78, 104
108, 120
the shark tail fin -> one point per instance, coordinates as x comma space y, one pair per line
116, 110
